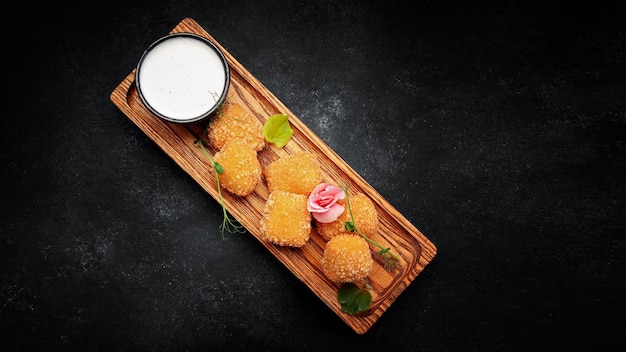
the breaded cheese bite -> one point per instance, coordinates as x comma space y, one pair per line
286, 220
347, 258
242, 169
365, 218
234, 123
296, 173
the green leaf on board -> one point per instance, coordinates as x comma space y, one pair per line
353, 299
277, 130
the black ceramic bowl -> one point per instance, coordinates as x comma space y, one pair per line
182, 78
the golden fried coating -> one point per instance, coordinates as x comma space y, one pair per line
233, 123
242, 169
296, 173
286, 220
365, 218
347, 258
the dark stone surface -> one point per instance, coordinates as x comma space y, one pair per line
498, 130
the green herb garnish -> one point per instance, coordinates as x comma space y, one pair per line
277, 130
353, 299
228, 224
390, 259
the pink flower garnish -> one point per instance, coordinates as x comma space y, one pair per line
323, 204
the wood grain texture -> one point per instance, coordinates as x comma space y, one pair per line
395, 231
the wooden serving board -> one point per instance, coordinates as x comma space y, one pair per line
395, 231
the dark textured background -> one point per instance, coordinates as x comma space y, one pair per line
497, 129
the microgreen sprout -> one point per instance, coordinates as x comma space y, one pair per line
390, 259
229, 224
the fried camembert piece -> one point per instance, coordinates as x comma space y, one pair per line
365, 218
286, 220
347, 258
232, 122
242, 169
296, 173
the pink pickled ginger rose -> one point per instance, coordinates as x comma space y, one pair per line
323, 204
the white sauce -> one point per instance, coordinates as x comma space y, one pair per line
182, 78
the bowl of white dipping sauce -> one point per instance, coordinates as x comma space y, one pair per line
182, 78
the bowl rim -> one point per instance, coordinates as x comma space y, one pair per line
204, 40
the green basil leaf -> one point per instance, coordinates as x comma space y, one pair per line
277, 130
353, 299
